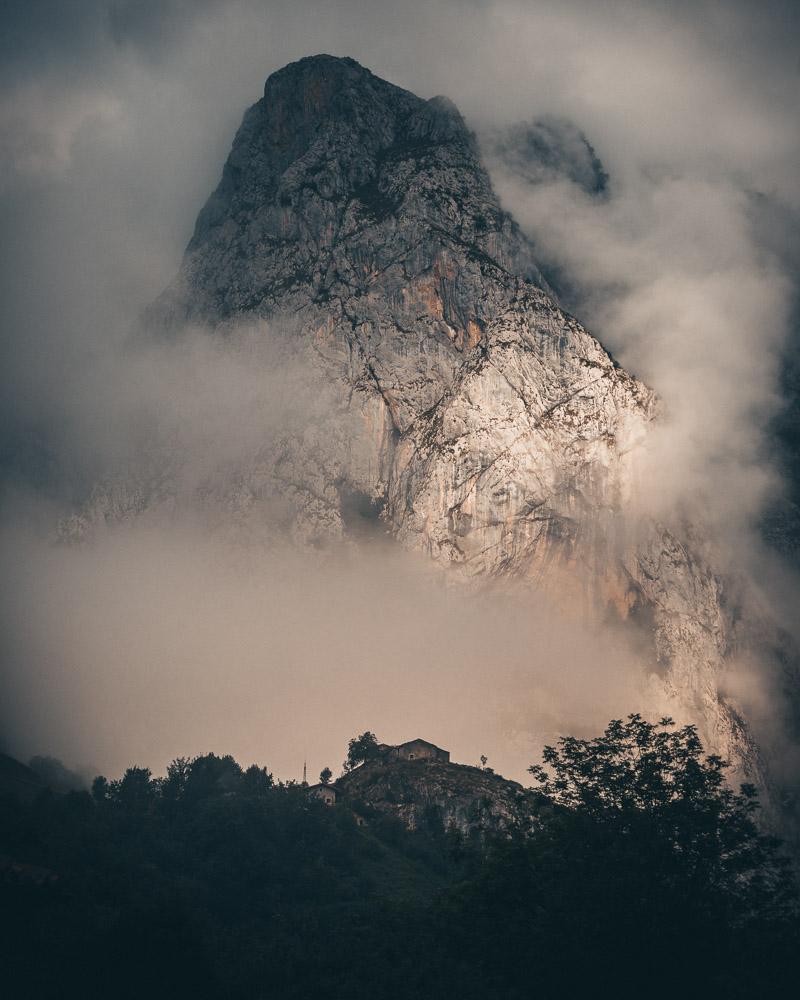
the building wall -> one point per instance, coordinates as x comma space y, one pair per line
328, 795
421, 751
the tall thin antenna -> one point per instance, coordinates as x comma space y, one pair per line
305, 777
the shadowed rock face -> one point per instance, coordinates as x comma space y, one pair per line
479, 422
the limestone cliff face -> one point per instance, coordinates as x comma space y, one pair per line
486, 425
478, 421
455, 795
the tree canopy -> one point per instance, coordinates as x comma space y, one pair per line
649, 788
360, 750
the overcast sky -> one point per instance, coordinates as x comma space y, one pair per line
116, 117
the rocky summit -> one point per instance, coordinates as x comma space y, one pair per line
469, 416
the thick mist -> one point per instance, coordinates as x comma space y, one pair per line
175, 635
674, 283
159, 642
194, 622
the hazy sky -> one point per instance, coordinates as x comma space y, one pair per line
115, 119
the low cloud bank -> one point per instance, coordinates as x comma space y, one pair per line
155, 641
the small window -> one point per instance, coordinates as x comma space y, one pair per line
411, 756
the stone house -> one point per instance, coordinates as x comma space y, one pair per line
327, 793
419, 750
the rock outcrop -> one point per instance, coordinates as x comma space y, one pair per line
421, 793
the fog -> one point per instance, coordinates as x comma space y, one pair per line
675, 284
165, 638
154, 644
199, 625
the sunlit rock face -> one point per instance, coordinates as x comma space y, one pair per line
485, 423
467, 415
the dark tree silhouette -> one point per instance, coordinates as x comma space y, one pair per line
135, 791
360, 750
257, 780
651, 786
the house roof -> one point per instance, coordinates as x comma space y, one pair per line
320, 784
419, 742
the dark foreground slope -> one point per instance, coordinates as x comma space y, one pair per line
217, 883
18, 780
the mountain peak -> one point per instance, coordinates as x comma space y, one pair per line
320, 62
322, 86
472, 419
333, 174
333, 73
329, 90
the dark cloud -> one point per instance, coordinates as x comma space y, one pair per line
42, 33
153, 27
546, 150
79, 38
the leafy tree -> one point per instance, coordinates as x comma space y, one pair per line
650, 785
360, 750
174, 785
100, 789
257, 780
640, 858
209, 775
325, 775
135, 791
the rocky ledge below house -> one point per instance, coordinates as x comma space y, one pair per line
421, 792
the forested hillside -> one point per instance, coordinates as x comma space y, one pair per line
642, 873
